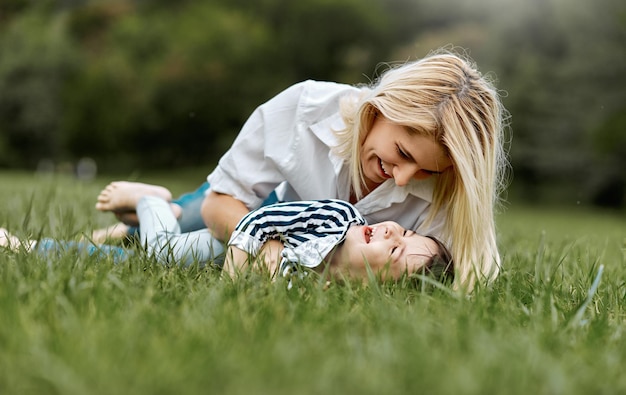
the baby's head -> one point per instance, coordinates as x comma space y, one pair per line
391, 251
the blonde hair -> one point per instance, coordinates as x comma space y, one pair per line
445, 97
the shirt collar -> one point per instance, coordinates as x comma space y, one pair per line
389, 193
325, 129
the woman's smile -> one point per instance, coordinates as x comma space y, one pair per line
384, 172
391, 151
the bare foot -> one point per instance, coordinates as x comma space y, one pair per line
130, 218
113, 232
123, 195
7, 239
13, 242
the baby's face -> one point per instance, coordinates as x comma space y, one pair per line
387, 248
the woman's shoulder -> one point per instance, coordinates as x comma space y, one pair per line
312, 94
319, 99
319, 91
315, 87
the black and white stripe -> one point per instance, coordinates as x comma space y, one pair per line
297, 222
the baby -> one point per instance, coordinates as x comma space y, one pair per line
331, 236
327, 236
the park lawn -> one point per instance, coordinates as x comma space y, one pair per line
553, 322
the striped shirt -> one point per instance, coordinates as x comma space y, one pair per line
309, 230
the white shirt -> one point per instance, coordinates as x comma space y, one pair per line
288, 139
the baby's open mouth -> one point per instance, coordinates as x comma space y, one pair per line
367, 233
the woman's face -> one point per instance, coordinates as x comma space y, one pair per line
391, 151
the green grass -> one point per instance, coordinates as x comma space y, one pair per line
74, 325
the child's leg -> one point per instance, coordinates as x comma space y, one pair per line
47, 246
160, 233
186, 208
121, 196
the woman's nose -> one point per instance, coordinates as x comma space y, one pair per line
402, 174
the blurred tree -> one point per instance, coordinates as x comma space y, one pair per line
36, 58
138, 83
322, 39
597, 94
561, 63
164, 84
609, 175
158, 84
8, 8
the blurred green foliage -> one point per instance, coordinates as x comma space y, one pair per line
158, 84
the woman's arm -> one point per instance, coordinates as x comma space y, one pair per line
221, 213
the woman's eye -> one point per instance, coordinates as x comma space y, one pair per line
431, 172
401, 152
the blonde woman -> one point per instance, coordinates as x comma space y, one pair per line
422, 146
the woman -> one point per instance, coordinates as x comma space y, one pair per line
423, 146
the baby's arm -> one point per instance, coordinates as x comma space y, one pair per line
268, 258
256, 241
235, 260
311, 229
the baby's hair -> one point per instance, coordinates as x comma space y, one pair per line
440, 265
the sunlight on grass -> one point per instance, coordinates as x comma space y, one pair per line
553, 323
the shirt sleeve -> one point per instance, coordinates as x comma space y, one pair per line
278, 143
309, 230
248, 171
332, 220
310, 253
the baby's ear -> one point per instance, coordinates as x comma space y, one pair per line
420, 261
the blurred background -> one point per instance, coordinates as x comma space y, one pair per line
156, 84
